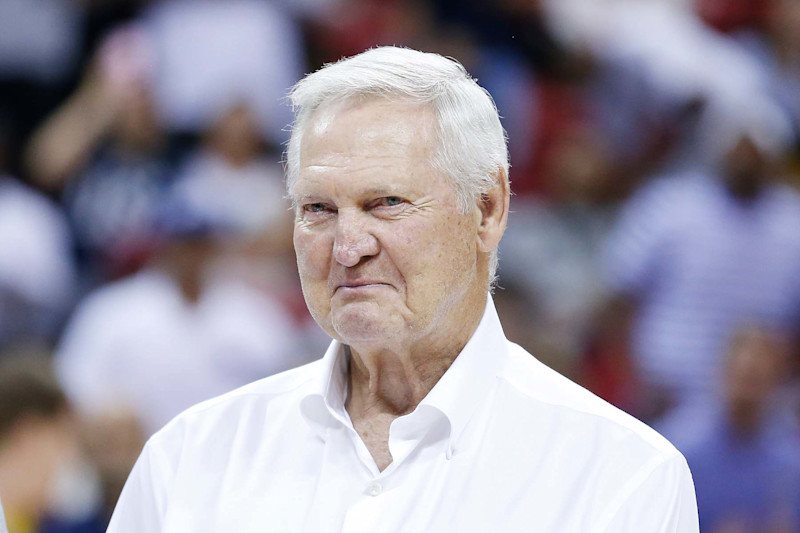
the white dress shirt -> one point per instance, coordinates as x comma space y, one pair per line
501, 443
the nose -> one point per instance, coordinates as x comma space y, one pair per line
354, 240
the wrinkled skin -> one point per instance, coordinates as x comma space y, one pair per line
384, 254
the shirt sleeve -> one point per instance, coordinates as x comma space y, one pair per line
143, 502
663, 502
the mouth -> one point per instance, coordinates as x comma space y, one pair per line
361, 285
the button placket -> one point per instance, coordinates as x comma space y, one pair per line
374, 488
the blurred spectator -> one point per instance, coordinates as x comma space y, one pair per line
742, 448
213, 54
36, 270
776, 48
697, 254
174, 334
37, 435
610, 71
40, 46
106, 149
552, 249
232, 180
698, 63
237, 183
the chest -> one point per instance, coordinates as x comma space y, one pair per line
374, 433
499, 477
435, 494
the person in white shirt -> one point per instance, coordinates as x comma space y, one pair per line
421, 416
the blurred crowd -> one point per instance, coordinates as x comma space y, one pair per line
146, 262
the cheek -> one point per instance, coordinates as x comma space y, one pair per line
441, 254
313, 253
457, 240
313, 265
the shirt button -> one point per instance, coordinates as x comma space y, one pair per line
374, 488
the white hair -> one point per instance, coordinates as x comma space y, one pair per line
471, 149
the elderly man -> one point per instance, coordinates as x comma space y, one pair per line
421, 416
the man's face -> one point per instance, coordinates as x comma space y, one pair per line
385, 257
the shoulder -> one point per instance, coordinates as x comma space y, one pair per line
200, 448
265, 389
580, 413
600, 458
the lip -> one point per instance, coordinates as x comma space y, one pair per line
355, 285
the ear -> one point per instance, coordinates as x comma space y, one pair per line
493, 211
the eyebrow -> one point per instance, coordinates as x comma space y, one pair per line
374, 191
381, 191
308, 197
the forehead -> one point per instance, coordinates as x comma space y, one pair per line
370, 112
373, 140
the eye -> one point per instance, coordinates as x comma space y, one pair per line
392, 201
316, 207
389, 201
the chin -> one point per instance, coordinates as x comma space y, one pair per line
355, 327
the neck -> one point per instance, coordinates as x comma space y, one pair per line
393, 381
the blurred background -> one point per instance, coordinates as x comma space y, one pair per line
146, 263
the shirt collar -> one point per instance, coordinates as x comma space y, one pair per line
324, 404
467, 382
459, 391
